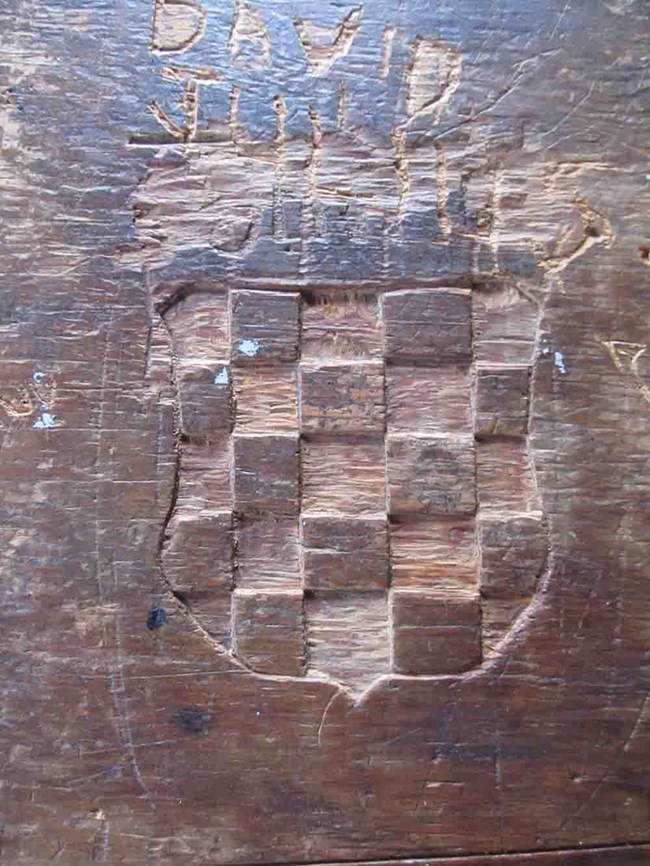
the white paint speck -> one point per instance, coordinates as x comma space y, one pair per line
222, 377
559, 363
250, 348
46, 421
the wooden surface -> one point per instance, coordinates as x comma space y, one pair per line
324, 410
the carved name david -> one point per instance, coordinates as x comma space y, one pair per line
354, 492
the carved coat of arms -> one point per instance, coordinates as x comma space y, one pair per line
354, 495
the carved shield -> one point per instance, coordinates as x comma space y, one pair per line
354, 496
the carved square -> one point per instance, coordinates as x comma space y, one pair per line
502, 401
266, 474
268, 553
503, 325
497, 615
503, 475
342, 398
431, 475
269, 631
345, 553
428, 324
434, 553
205, 400
343, 478
199, 327
435, 633
204, 476
513, 553
266, 398
341, 325
213, 609
428, 400
198, 552
264, 326
348, 635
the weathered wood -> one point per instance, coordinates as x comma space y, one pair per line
324, 407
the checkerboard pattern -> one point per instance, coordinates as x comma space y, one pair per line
333, 449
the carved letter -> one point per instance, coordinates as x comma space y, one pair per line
177, 24
324, 45
248, 32
193, 79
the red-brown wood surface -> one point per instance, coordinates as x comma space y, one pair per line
324, 411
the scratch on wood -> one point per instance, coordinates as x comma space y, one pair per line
342, 105
309, 217
387, 51
402, 171
442, 189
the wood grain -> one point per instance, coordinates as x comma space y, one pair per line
202, 202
